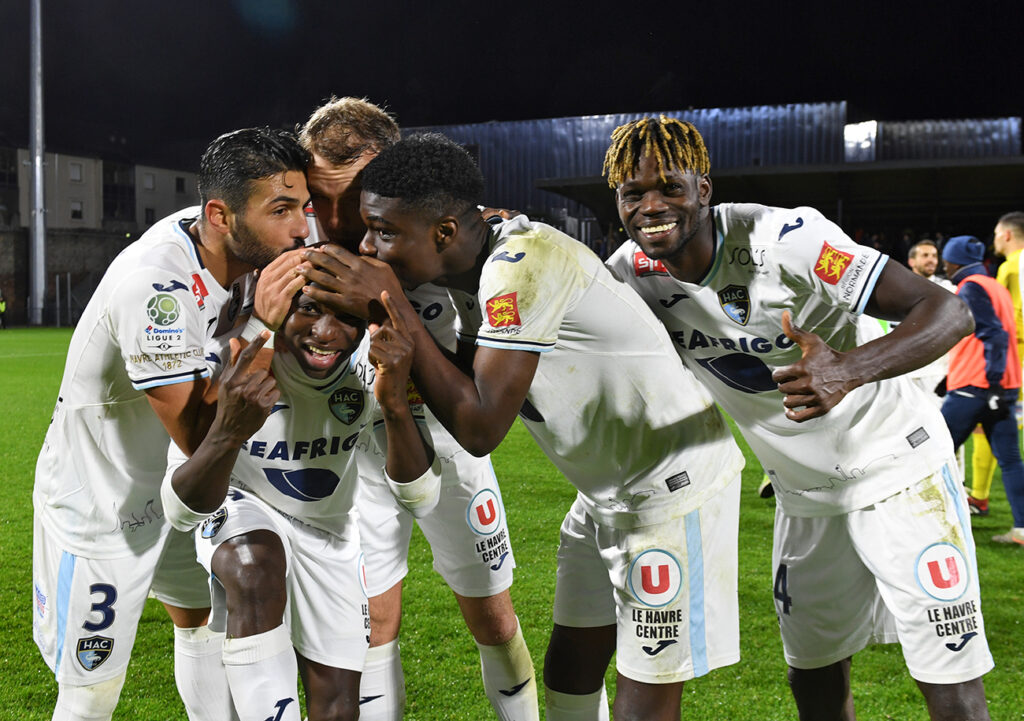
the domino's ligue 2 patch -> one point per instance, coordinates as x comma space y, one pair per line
642, 265
831, 264
503, 311
165, 330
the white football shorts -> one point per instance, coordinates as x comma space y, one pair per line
467, 531
902, 569
327, 613
86, 611
670, 588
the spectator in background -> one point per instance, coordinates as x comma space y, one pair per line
923, 259
1007, 241
3, 311
984, 371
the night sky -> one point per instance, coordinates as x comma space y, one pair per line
154, 80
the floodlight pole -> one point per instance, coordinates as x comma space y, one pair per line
37, 246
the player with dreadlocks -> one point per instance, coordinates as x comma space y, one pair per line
872, 537
552, 337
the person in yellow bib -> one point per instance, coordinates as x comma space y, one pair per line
1008, 241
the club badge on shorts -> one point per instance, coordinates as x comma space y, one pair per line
93, 651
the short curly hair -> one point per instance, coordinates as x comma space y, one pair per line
427, 172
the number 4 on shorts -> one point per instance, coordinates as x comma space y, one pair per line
779, 590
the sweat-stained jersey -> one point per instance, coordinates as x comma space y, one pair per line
610, 404
157, 307
306, 459
728, 330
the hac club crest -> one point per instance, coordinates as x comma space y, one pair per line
346, 404
735, 301
93, 651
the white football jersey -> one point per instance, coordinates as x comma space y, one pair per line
610, 404
148, 323
320, 436
728, 329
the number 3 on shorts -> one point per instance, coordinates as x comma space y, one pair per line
103, 607
779, 590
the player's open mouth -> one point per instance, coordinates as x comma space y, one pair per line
319, 357
652, 230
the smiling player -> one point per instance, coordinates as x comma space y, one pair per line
283, 549
872, 531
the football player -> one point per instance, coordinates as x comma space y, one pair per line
342, 136
283, 546
135, 379
872, 533
551, 336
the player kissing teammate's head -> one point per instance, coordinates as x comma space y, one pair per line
419, 204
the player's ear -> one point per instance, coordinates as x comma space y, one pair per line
704, 189
445, 231
217, 214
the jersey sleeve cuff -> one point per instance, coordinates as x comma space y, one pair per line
178, 514
421, 495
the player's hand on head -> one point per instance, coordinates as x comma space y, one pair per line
814, 384
277, 284
349, 283
247, 393
391, 353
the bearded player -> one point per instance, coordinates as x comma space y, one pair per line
135, 379
872, 534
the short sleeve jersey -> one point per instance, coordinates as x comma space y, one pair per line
320, 436
148, 324
728, 329
610, 403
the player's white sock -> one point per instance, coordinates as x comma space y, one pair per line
95, 702
509, 681
573, 707
199, 674
382, 686
262, 673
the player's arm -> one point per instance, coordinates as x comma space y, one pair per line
931, 319
186, 410
391, 353
244, 399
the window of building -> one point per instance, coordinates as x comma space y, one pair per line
75, 172
77, 210
150, 216
179, 185
148, 181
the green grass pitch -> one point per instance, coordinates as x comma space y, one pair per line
441, 664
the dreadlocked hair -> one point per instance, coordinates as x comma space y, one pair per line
672, 142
